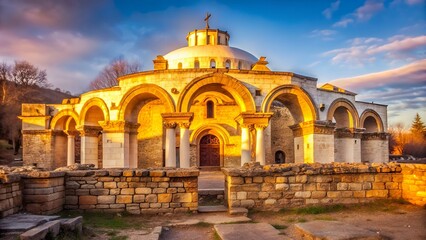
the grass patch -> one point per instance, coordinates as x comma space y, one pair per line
107, 220
279, 227
320, 209
202, 225
216, 236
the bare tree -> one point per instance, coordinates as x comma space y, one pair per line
5, 77
109, 74
27, 75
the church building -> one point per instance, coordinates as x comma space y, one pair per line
206, 105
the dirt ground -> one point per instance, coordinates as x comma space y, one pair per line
393, 220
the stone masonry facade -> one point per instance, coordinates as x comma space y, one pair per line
167, 190
291, 185
135, 191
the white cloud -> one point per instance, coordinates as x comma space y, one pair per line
363, 13
328, 12
367, 50
414, 2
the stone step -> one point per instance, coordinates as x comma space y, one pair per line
238, 211
210, 209
321, 229
22, 222
72, 224
247, 231
40, 232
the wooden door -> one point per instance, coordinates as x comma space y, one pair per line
209, 151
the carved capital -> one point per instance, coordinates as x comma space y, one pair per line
348, 132
72, 132
260, 126
89, 131
247, 125
375, 136
119, 126
168, 124
313, 127
184, 124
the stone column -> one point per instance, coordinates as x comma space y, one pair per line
347, 143
313, 142
260, 143
171, 120
375, 147
133, 145
170, 144
184, 145
71, 147
89, 144
245, 144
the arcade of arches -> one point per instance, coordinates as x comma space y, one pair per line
187, 113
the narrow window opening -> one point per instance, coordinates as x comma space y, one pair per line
279, 157
218, 40
180, 65
297, 146
239, 65
197, 64
212, 63
210, 109
258, 93
227, 64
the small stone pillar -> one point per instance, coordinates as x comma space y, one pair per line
171, 120
247, 121
260, 143
184, 145
170, 144
133, 145
347, 145
71, 147
375, 147
245, 144
313, 142
89, 144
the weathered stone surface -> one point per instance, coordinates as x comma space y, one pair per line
247, 231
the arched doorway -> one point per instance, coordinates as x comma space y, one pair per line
279, 157
209, 151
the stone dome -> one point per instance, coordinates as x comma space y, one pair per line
208, 48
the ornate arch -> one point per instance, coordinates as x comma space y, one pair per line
90, 103
238, 91
149, 90
307, 104
343, 102
67, 113
215, 129
371, 113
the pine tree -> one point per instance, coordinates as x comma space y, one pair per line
418, 129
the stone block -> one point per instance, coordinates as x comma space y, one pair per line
296, 187
334, 194
117, 206
160, 179
128, 173
347, 194
267, 187
257, 179
151, 198
392, 185
106, 179
176, 184
98, 192
159, 190
302, 194
318, 194
128, 191
367, 186
85, 200
106, 199
157, 173
235, 180
138, 198
72, 200
376, 194
115, 172
301, 178
124, 199
122, 184
110, 185
241, 195
163, 185
114, 191
251, 187
359, 194
282, 186
378, 185
164, 198
270, 201
247, 203
324, 179
182, 197
248, 180
143, 190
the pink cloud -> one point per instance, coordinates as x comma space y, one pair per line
328, 12
369, 8
400, 45
343, 23
413, 73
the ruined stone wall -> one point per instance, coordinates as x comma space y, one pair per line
135, 191
43, 192
282, 138
37, 148
414, 183
10, 194
287, 185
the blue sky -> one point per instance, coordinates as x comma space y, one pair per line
376, 48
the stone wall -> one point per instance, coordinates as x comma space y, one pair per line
43, 192
10, 194
278, 186
135, 191
414, 183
